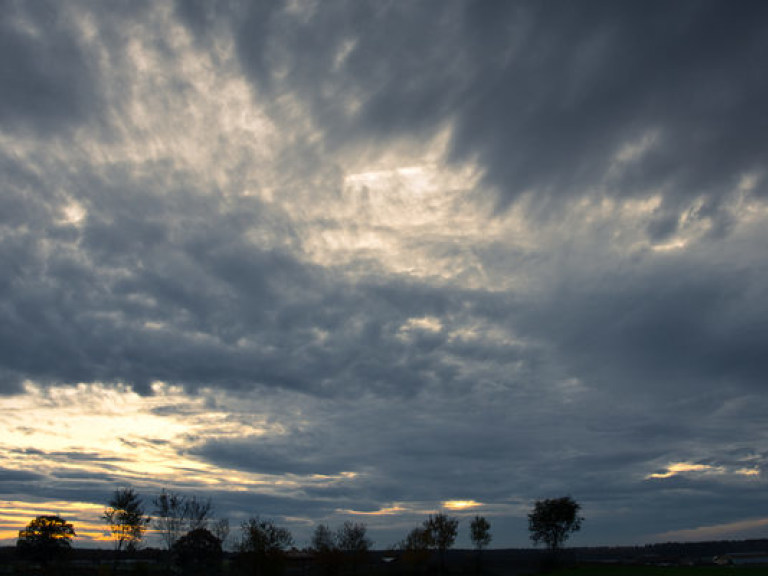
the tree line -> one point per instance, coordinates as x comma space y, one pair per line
194, 538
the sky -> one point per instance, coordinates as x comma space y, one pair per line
372, 260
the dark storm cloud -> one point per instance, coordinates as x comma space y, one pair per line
544, 94
18, 476
159, 286
270, 456
655, 325
48, 82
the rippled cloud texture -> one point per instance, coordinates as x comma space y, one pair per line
368, 260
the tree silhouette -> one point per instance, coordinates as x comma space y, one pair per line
441, 533
327, 555
415, 547
198, 552
263, 545
417, 539
126, 519
197, 513
45, 538
552, 521
176, 514
351, 539
220, 529
323, 539
169, 516
480, 532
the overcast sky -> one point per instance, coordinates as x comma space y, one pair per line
368, 260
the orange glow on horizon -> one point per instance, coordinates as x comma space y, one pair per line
85, 517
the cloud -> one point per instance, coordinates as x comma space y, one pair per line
681, 467
742, 530
552, 100
323, 259
51, 84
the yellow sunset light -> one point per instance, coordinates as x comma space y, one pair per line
461, 504
380, 512
85, 516
680, 467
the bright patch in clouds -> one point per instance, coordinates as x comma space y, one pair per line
102, 431
387, 511
92, 428
461, 504
684, 467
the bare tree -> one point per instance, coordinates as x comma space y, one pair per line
220, 529
351, 537
176, 514
169, 516
197, 513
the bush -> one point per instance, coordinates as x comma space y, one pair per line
198, 552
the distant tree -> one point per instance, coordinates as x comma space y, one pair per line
480, 532
262, 547
552, 521
126, 519
417, 539
169, 516
45, 538
415, 547
197, 513
198, 552
176, 514
323, 539
220, 529
441, 533
264, 536
327, 555
351, 537
353, 541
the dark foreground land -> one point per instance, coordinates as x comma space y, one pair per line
740, 558
662, 571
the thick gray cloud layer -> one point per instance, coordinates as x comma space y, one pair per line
587, 312
545, 94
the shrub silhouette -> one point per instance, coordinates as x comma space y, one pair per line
198, 552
